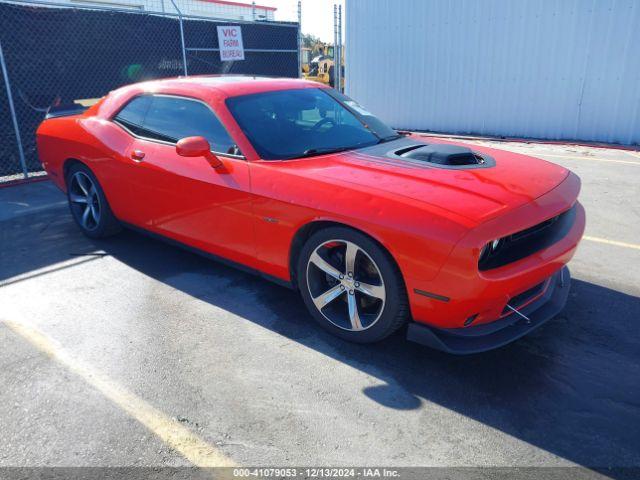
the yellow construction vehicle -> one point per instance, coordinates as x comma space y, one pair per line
319, 65
306, 59
310, 54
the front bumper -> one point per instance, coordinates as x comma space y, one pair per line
487, 336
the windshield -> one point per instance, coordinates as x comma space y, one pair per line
297, 123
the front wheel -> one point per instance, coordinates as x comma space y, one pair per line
88, 203
351, 285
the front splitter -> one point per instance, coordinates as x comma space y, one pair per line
464, 341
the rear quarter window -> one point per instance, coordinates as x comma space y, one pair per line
133, 113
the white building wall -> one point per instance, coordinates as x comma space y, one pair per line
553, 69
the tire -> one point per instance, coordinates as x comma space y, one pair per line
365, 307
88, 204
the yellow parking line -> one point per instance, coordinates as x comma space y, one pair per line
575, 157
175, 435
632, 153
612, 242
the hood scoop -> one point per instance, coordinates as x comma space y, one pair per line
444, 156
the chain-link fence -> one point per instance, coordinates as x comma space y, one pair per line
56, 54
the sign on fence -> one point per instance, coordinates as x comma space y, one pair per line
230, 42
71, 52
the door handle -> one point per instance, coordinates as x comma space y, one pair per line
137, 155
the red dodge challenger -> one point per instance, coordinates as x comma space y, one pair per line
466, 245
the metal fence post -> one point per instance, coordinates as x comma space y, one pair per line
253, 11
184, 50
335, 45
299, 39
339, 67
14, 118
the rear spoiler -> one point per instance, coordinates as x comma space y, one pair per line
64, 110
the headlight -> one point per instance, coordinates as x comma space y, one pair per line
490, 248
484, 252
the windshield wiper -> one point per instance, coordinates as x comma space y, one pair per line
310, 152
389, 138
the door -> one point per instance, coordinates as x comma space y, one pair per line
182, 198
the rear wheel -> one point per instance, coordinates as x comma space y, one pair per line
88, 204
351, 285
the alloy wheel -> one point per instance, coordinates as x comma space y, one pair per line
346, 285
85, 201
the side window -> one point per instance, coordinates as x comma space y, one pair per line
171, 118
133, 113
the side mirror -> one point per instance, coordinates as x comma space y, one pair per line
197, 147
193, 147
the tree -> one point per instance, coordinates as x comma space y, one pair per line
309, 40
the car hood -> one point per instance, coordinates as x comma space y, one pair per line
478, 194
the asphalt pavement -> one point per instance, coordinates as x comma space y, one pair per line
131, 352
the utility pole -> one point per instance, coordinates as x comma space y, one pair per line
299, 38
339, 64
335, 45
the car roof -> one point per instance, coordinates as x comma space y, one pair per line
205, 86
226, 85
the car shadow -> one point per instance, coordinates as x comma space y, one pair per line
570, 388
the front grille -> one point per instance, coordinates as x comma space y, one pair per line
526, 242
533, 230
